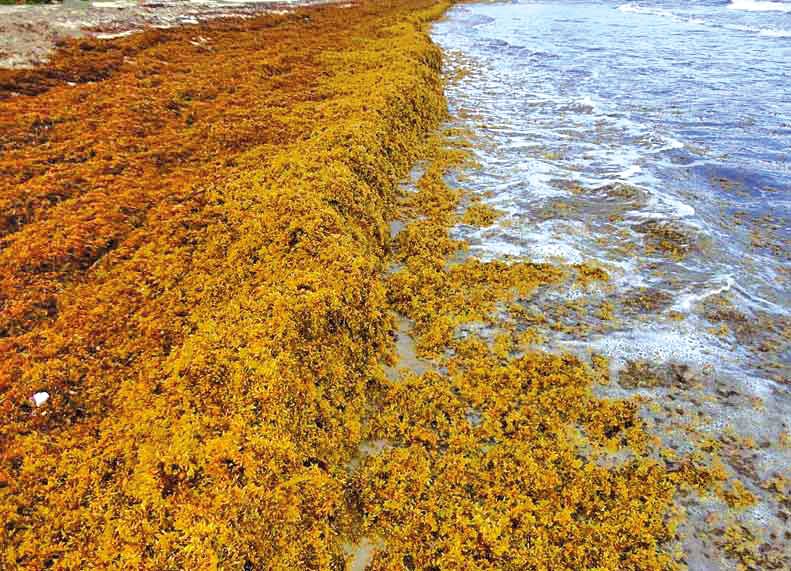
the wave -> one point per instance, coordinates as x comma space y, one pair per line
743, 5
749, 5
632, 8
759, 6
775, 33
637, 9
760, 31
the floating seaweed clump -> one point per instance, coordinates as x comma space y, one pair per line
480, 214
502, 457
668, 238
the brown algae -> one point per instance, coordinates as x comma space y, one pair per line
217, 346
498, 458
213, 342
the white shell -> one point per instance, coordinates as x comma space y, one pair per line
40, 398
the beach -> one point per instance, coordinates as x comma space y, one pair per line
393, 285
30, 33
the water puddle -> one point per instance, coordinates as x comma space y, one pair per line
360, 554
407, 359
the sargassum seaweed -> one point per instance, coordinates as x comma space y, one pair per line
194, 265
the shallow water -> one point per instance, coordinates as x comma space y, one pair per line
652, 139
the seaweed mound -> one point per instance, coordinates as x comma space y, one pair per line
205, 308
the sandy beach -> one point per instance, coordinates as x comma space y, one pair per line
29, 34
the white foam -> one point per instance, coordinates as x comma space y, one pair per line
72, 24
760, 513
741, 28
552, 242
589, 292
663, 207
498, 248
768, 32
549, 241
687, 300
758, 387
754, 300
556, 250
742, 5
775, 33
759, 6
113, 4
628, 276
682, 209
110, 36
661, 345
637, 9
536, 176
585, 104
629, 172
671, 145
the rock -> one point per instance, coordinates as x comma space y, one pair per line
39, 399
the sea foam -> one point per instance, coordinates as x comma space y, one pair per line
759, 6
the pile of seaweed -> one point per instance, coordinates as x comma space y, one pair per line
191, 267
196, 267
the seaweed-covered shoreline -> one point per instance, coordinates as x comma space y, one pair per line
192, 244
260, 351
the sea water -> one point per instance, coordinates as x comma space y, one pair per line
652, 139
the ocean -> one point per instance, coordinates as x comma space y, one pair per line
653, 140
